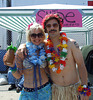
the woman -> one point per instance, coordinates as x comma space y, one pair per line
32, 66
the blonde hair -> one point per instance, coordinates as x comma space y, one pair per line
33, 27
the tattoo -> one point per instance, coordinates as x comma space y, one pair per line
76, 44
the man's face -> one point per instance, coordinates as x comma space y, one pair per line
52, 28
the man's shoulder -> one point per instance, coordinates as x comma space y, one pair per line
45, 41
71, 41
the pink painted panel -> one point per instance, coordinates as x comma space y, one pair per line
72, 18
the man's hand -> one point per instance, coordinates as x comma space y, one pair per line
82, 97
21, 51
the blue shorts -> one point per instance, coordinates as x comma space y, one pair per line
44, 93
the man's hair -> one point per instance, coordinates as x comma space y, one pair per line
52, 16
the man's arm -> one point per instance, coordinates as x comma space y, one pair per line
80, 62
22, 50
81, 67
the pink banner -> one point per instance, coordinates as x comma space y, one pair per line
71, 18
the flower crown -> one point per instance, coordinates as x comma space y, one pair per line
30, 25
47, 17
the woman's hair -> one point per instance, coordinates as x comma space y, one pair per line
52, 16
33, 26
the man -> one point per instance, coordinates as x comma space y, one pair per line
11, 80
63, 54
14, 83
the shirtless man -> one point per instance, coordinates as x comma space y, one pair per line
63, 54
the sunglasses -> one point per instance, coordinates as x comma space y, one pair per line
55, 25
34, 35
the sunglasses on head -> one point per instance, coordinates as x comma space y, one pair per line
55, 25
34, 35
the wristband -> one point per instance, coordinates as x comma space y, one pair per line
13, 69
83, 89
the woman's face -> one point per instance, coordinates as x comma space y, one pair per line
36, 36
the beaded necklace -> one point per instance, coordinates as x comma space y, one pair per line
58, 57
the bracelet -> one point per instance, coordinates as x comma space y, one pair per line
83, 89
13, 69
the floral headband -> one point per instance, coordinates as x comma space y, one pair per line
30, 25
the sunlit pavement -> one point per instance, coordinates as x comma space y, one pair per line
8, 95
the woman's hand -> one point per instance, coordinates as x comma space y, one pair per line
6, 63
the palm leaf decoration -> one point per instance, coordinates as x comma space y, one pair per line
11, 47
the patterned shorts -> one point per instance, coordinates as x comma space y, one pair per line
44, 93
